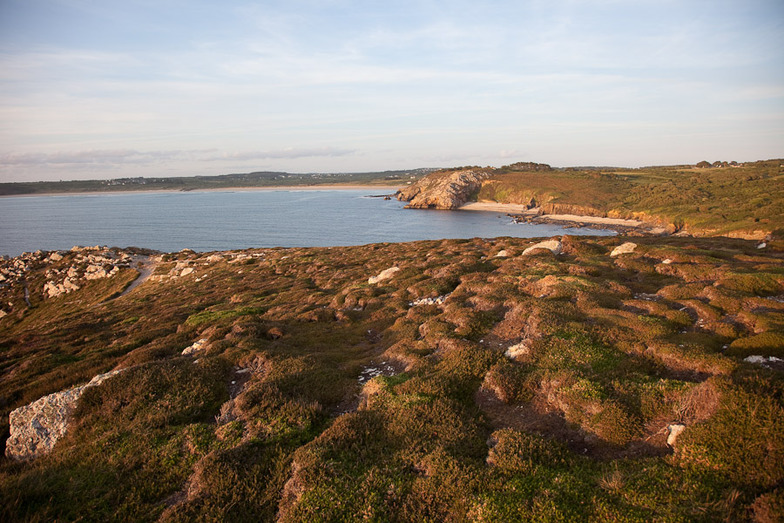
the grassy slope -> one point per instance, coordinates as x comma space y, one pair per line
572, 429
705, 201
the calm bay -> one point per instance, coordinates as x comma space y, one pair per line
225, 220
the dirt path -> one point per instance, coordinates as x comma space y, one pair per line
146, 266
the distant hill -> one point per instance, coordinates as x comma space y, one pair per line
728, 199
192, 183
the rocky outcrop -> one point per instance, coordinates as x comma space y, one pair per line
624, 248
197, 346
36, 427
383, 275
83, 264
673, 431
553, 246
443, 190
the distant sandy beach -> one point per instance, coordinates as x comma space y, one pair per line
508, 208
533, 216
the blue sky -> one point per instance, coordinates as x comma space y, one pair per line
105, 89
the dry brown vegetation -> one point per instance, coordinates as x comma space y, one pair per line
533, 387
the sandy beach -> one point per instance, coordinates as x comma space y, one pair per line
508, 208
533, 216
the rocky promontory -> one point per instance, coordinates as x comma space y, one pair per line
443, 190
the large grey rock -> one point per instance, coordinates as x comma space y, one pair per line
383, 275
624, 248
36, 427
553, 246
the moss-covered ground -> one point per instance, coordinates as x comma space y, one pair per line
537, 388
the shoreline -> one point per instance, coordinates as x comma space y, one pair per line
522, 213
325, 187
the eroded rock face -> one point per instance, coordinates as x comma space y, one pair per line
443, 191
36, 427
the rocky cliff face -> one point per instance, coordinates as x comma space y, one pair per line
447, 190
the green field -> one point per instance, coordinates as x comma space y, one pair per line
746, 200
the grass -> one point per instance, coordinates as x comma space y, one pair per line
271, 422
735, 201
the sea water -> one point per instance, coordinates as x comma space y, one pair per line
225, 220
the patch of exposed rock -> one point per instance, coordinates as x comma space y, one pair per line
383, 275
438, 300
35, 428
197, 346
553, 246
83, 264
624, 248
443, 190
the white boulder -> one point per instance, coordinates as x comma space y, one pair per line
197, 346
36, 427
624, 248
383, 275
673, 431
553, 246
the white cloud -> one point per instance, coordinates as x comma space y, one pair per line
289, 153
131, 156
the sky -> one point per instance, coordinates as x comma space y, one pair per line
99, 89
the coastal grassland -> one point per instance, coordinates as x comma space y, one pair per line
466, 387
735, 201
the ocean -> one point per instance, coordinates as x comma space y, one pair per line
226, 220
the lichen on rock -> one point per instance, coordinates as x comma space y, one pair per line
36, 427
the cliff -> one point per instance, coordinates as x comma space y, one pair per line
443, 190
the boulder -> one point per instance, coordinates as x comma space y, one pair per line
673, 431
553, 246
197, 346
95, 272
518, 350
624, 248
383, 275
35, 428
438, 300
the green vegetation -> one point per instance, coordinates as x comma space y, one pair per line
536, 388
744, 200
